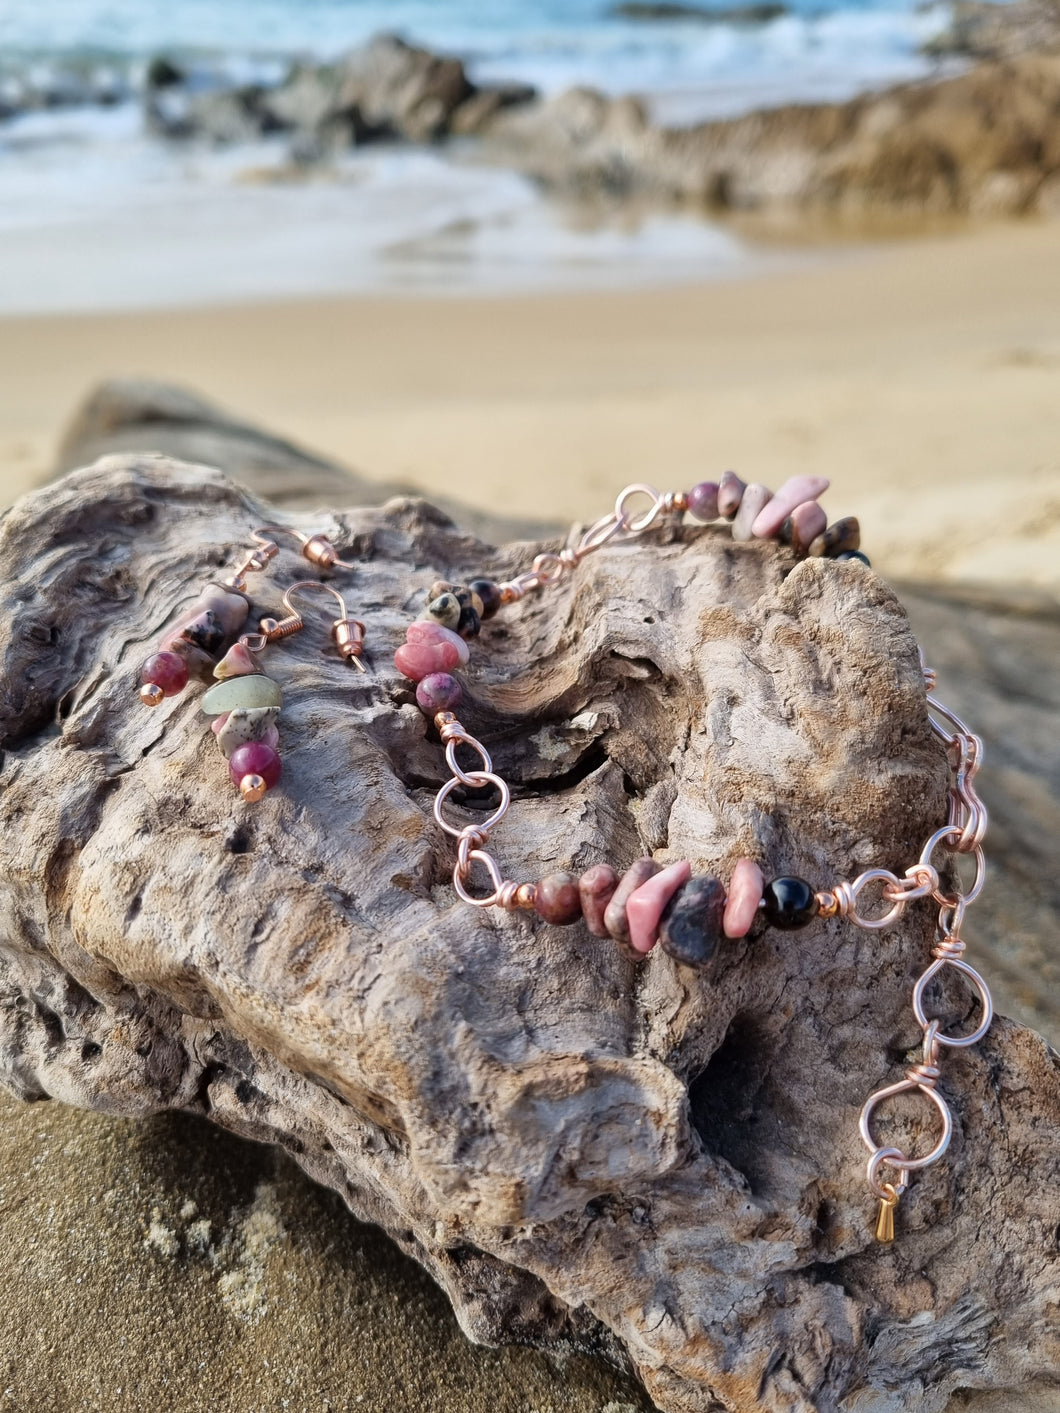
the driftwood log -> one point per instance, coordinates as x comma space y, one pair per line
652, 1162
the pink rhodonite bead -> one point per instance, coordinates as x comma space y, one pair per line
417, 660
792, 493
745, 894
648, 902
422, 632
166, 670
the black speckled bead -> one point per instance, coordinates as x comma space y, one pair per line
445, 609
789, 903
469, 623
690, 927
204, 632
490, 595
855, 554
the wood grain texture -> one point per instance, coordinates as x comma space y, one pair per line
577, 1149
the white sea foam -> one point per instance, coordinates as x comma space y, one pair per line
95, 214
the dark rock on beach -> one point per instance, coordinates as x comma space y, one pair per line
752, 14
386, 90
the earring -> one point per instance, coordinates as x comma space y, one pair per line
191, 644
245, 703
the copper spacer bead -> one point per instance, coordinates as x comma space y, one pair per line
507, 594
235, 581
680, 500
525, 896
151, 694
319, 550
252, 788
444, 718
268, 626
827, 904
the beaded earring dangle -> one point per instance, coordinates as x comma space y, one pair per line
190, 646
245, 703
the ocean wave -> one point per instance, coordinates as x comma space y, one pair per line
86, 51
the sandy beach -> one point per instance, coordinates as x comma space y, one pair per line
922, 376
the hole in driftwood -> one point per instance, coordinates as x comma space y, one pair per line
726, 1099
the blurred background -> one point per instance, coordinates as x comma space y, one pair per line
520, 254
513, 256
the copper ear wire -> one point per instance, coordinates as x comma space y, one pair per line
347, 632
318, 549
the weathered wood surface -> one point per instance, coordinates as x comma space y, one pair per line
579, 1151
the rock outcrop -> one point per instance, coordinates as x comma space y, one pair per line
983, 29
982, 143
575, 1148
986, 142
386, 90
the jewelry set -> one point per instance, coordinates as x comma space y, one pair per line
647, 904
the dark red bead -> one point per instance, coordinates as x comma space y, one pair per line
166, 670
254, 758
557, 899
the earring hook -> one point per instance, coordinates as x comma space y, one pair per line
347, 632
318, 549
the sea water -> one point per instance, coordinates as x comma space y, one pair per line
96, 214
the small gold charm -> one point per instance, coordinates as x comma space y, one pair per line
885, 1216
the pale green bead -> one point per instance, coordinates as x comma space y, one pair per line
251, 691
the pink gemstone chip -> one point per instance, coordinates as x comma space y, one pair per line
756, 498
808, 520
792, 493
745, 894
423, 632
730, 494
238, 661
648, 902
418, 660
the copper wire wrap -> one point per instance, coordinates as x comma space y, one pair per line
962, 834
